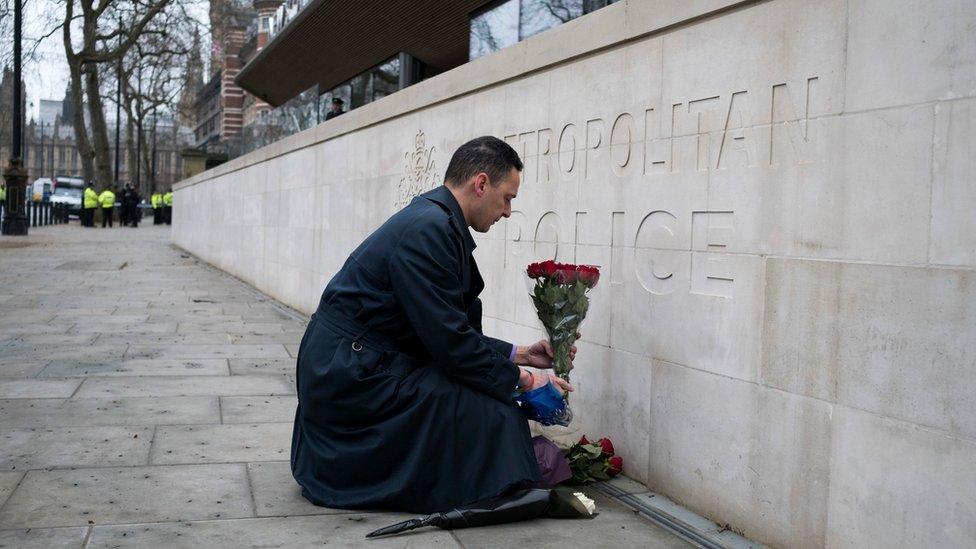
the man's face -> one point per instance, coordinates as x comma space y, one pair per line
494, 201
336, 107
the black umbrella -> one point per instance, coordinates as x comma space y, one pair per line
513, 507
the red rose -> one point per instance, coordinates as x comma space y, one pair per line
583, 440
606, 445
589, 275
566, 275
616, 464
548, 268
534, 270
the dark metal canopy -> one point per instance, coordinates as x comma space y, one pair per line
330, 41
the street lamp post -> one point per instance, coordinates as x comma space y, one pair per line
15, 218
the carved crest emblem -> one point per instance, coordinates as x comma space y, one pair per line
418, 172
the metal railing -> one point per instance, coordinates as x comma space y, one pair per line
40, 214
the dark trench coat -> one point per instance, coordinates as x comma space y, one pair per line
402, 402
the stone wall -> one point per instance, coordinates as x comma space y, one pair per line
782, 197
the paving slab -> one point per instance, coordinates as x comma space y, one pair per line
240, 308
21, 369
221, 443
44, 538
276, 494
84, 312
32, 351
330, 531
184, 386
15, 329
258, 409
293, 349
266, 314
281, 337
120, 495
80, 412
8, 481
35, 448
138, 367
203, 338
251, 328
193, 315
249, 366
125, 330
207, 351
27, 317
106, 319
38, 388
58, 338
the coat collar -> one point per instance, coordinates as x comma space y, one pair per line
443, 196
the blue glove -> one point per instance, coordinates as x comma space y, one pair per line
545, 405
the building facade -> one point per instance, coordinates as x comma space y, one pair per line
50, 149
219, 104
780, 195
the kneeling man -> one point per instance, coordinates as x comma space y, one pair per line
402, 402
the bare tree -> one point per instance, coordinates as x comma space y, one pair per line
109, 30
152, 82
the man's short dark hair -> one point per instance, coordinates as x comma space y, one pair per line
482, 154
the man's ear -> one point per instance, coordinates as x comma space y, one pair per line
480, 184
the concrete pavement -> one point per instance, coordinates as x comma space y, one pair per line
146, 400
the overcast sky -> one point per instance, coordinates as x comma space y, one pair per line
46, 77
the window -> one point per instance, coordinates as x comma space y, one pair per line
510, 21
358, 90
494, 29
536, 16
385, 78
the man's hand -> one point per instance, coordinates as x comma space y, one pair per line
539, 354
529, 380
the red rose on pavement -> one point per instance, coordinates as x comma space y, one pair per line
583, 440
606, 445
616, 465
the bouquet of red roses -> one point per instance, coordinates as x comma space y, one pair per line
592, 461
561, 302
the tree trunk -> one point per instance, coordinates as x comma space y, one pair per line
96, 115
78, 121
130, 142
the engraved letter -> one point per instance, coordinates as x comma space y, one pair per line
547, 235
621, 141
657, 149
594, 137
784, 120
711, 273
567, 149
737, 140
545, 158
655, 257
514, 236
